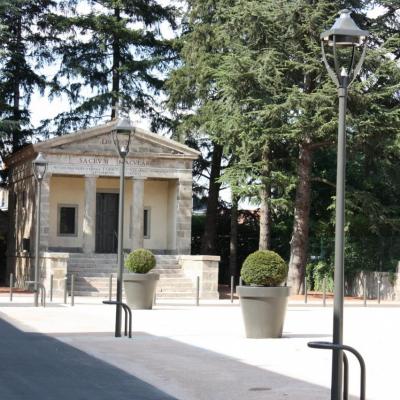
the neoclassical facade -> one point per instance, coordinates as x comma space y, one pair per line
80, 191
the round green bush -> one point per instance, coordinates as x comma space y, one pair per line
264, 268
140, 261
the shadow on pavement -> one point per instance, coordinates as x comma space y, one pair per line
38, 367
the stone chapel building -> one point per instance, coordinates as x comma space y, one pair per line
79, 211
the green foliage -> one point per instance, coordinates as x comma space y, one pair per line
323, 270
112, 54
316, 273
252, 78
140, 261
25, 41
264, 268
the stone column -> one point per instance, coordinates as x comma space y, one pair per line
184, 215
45, 213
89, 215
137, 212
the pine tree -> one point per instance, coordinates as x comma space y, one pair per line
113, 54
192, 92
24, 50
272, 101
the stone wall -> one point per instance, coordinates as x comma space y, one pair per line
54, 264
389, 284
206, 268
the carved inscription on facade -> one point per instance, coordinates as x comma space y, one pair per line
95, 165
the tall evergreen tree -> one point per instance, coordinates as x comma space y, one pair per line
192, 93
24, 46
270, 92
113, 54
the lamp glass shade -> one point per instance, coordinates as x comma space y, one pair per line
39, 165
121, 134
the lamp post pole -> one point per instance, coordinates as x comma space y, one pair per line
37, 232
337, 358
345, 36
39, 166
121, 136
118, 315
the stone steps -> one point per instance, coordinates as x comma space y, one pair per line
92, 275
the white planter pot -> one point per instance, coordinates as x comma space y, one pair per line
140, 289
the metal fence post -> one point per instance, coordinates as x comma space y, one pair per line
324, 292
197, 291
240, 281
305, 290
110, 287
72, 289
11, 286
232, 286
51, 287
365, 290
65, 289
379, 290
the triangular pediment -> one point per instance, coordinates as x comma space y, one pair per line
98, 141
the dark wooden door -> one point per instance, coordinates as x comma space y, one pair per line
106, 222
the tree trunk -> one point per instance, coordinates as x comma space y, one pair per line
264, 242
115, 71
233, 237
210, 226
299, 241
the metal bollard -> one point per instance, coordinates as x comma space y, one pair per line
232, 286
305, 290
11, 286
51, 287
324, 292
197, 291
72, 289
379, 290
43, 295
365, 290
240, 281
110, 287
65, 289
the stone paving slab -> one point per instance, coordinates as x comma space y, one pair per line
196, 353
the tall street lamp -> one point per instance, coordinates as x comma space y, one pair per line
349, 44
121, 136
39, 166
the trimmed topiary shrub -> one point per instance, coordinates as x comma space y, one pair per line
264, 268
140, 261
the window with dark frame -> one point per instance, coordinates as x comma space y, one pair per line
146, 223
67, 220
146, 216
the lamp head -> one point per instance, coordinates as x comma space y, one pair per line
121, 135
39, 165
344, 32
349, 44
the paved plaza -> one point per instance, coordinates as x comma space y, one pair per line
180, 351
